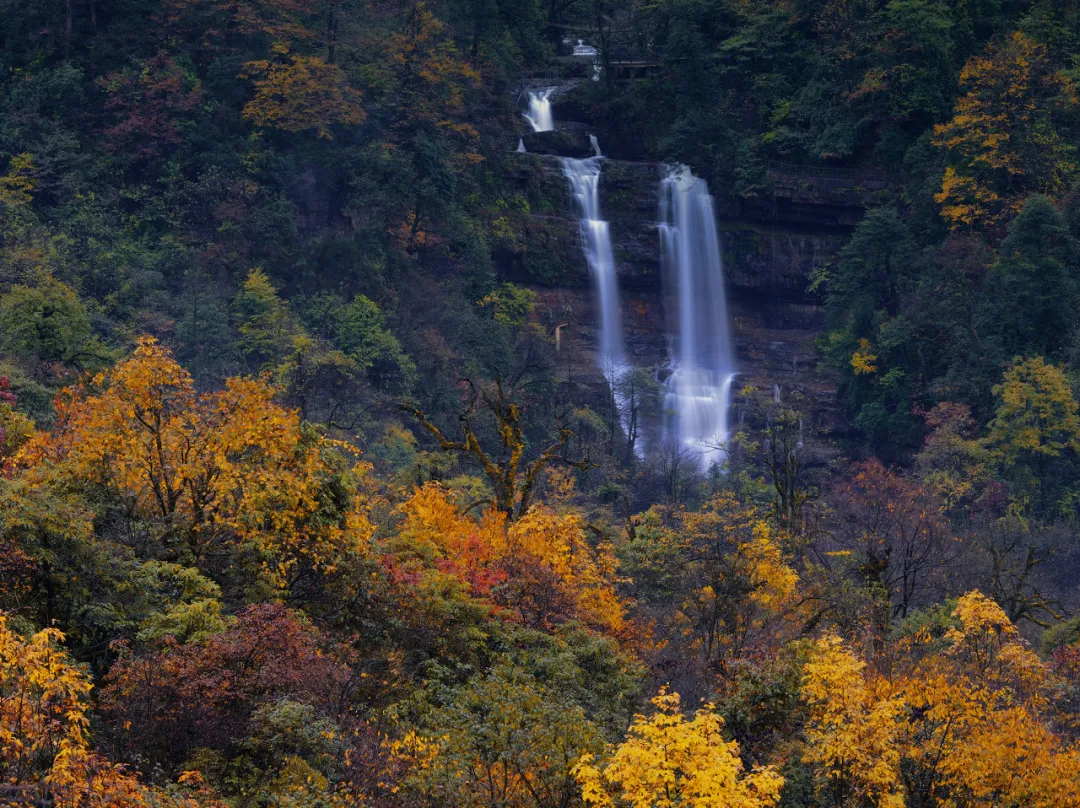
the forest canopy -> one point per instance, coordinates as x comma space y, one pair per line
306, 500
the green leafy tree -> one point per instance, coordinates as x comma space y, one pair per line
49, 325
358, 329
870, 339
502, 741
1029, 299
263, 321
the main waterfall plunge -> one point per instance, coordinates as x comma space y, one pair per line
698, 391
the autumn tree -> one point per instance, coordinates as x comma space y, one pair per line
229, 25
854, 729
901, 544
1036, 415
45, 732
1004, 140
230, 469
727, 574
149, 104
207, 692
17, 185
668, 759
297, 93
1036, 433
425, 81
263, 320
953, 464
540, 570
740, 586
15, 427
961, 716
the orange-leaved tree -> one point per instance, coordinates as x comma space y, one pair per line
540, 569
297, 93
229, 471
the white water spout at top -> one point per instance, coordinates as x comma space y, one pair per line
595, 146
539, 113
698, 391
521, 146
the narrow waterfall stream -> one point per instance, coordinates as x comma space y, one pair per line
584, 177
698, 391
539, 112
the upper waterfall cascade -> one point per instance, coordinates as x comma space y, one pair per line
584, 177
539, 112
698, 391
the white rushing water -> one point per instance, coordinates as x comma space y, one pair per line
539, 112
584, 177
698, 391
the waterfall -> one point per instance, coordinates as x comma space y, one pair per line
539, 113
584, 177
698, 391
521, 146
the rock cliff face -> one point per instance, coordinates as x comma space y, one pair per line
771, 246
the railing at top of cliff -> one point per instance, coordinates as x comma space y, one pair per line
831, 177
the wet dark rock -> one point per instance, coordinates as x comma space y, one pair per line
771, 247
559, 142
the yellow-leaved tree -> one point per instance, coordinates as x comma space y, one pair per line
229, 471
959, 718
741, 588
1002, 140
44, 734
854, 727
668, 760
